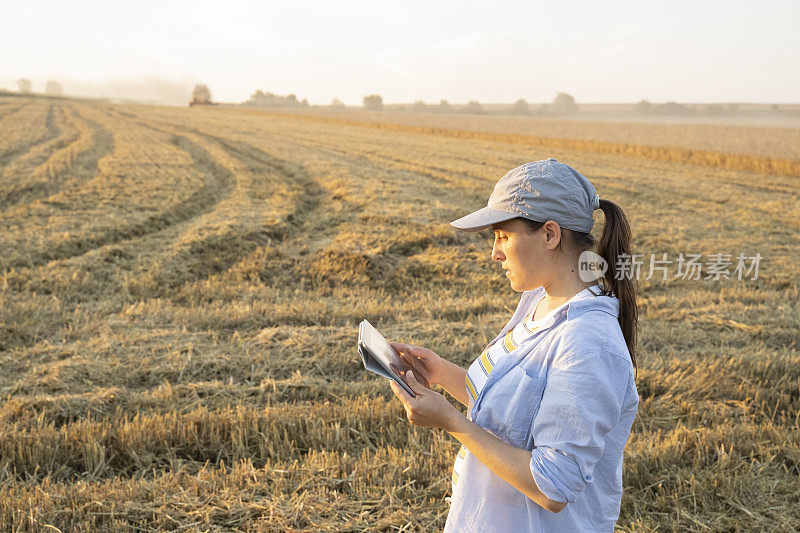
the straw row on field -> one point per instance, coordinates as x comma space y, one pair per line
25, 128
708, 158
140, 442
78, 137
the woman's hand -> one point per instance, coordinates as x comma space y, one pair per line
429, 408
425, 363
430, 369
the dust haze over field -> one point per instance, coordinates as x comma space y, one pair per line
149, 89
138, 89
180, 291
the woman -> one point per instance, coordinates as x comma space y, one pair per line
552, 398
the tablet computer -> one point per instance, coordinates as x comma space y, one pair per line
379, 356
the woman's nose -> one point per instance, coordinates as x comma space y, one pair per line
497, 255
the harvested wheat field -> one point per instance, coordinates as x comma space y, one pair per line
180, 292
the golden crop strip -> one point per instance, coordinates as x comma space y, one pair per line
708, 158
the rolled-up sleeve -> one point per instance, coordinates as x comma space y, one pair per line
581, 403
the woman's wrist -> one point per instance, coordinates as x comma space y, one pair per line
438, 377
457, 423
451, 379
451, 373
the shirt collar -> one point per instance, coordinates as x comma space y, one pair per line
581, 302
584, 301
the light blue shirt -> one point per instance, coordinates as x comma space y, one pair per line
567, 394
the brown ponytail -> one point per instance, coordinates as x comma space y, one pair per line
615, 242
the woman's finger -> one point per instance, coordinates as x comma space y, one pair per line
411, 379
415, 351
400, 393
418, 367
400, 347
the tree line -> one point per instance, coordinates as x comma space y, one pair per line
562, 104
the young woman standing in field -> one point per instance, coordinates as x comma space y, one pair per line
552, 398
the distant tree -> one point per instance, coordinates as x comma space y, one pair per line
201, 95
713, 109
564, 103
373, 102
420, 106
444, 106
53, 88
267, 99
473, 107
672, 108
336, 103
643, 107
733, 109
24, 85
774, 108
520, 107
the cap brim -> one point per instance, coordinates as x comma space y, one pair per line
482, 219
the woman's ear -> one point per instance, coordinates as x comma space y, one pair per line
552, 234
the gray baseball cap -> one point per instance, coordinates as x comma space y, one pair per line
541, 191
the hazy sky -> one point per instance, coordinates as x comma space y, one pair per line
499, 51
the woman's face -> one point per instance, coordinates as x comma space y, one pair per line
525, 255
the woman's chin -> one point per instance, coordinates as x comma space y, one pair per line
515, 286
518, 286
